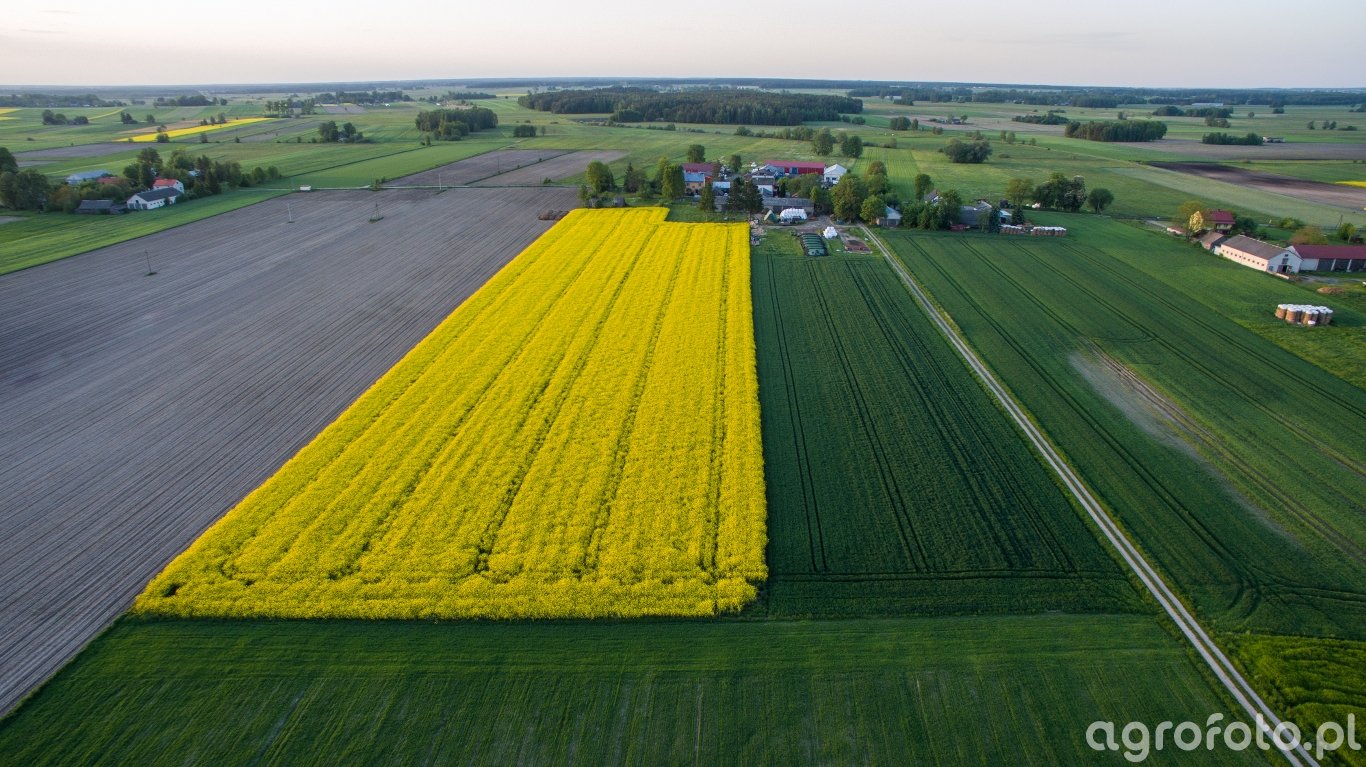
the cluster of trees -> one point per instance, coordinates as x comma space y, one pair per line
943, 213
975, 151
526, 131
1251, 139
196, 100
715, 106
903, 123
285, 107
329, 132
460, 96
452, 124
362, 97
1053, 117
57, 118
823, 143
1125, 130
1058, 192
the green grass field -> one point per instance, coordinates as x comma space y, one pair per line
944, 691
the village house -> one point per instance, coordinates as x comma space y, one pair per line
154, 198
833, 174
163, 183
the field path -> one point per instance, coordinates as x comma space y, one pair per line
1237, 686
139, 408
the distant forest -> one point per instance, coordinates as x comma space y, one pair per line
722, 106
51, 100
1109, 98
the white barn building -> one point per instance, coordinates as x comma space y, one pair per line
1262, 256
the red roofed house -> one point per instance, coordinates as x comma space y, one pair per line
708, 168
1219, 220
172, 183
1332, 258
793, 168
697, 175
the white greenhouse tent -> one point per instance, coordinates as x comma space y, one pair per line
792, 214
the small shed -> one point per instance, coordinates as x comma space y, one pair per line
891, 217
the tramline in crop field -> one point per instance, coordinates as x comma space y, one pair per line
580, 438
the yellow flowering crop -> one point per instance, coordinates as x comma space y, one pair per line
579, 439
178, 132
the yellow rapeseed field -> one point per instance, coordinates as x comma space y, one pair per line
178, 132
579, 439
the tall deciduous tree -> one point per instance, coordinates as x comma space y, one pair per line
1018, 192
847, 197
1099, 199
697, 153
599, 177
873, 208
923, 185
7, 161
707, 200
823, 143
671, 186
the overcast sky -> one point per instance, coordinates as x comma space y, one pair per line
1248, 43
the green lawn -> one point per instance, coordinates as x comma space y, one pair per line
945, 691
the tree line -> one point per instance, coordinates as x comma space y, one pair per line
362, 97
717, 107
1251, 139
1116, 130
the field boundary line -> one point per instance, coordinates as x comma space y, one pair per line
1218, 663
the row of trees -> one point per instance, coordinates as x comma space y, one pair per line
285, 107
1251, 139
453, 124
1053, 117
716, 106
1117, 130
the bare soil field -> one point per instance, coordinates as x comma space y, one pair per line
557, 168
1313, 191
139, 408
1290, 151
344, 109
482, 166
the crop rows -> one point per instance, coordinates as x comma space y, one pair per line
893, 483
1246, 488
580, 438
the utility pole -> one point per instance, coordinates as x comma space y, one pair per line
148, 258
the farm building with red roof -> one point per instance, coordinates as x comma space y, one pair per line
793, 168
1332, 258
